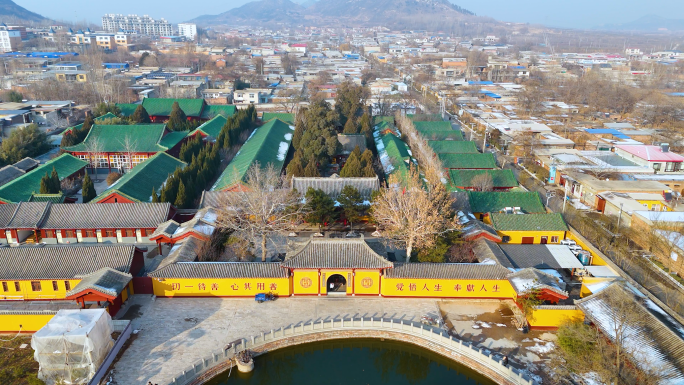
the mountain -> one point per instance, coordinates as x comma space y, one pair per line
649, 23
10, 10
403, 13
257, 11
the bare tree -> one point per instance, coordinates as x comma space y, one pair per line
482, 182
129, 146
262, 207
57, 121
410, 216
94, 149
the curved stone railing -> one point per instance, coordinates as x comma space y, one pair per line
436, 338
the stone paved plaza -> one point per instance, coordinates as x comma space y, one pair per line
176, 332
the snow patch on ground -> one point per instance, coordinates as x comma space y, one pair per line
541, 348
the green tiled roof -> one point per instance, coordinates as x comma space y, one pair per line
495, 201
212, 127
52, 198
163, 106
387, 119
452, 147
99, 119
127, 109
212, 111
441, 134
21, 189
528, 222
433, 126
171, 139
424, 117
267, 144
501, 178
137, 184
399, 148
285, 117
469, 161
147, 138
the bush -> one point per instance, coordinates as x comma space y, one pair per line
112, 177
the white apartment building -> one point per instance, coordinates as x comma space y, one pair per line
251, 96
144, 25
187, 30
9, 39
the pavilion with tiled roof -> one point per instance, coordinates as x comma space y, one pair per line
25, 186
137, 184
268, 145
159, 109
502, 180
112, 144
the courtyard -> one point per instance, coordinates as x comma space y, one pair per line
173, 333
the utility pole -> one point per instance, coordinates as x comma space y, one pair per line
565, 198
619, 217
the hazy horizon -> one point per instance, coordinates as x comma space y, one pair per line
575, 14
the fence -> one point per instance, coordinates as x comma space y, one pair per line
415, 329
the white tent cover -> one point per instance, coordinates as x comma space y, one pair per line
72, 346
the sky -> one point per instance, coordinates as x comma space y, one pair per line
569, 14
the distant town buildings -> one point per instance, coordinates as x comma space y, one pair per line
141, 24
9, 39
187, 30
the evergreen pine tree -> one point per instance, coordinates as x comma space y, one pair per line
320, 207
352, 168
350, 127
163, 196
88, 189
311, 169
55, 185
295, 167
181, 197
45, 184
155, 197
298, 133
87, 123
140, 115
356, 152
177, 119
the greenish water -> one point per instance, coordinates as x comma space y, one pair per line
356, 362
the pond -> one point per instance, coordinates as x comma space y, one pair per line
353, 361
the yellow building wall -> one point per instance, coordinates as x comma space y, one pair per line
305, 282
553, 318
27, 293
367, 282
449, 288
517, 236
27, 323
585, 291
650, 205
596, 260
325, 274
219, 287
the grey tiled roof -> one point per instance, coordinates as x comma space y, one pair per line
62, 262
27, 164
486, 249
221, 270
106, 215
106, 280
166, 228
10, 173
335, 253
186, 251
333, 185
213, 198
524, 256
6, 213
29, 215
660, 337
447, 271
527, 279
